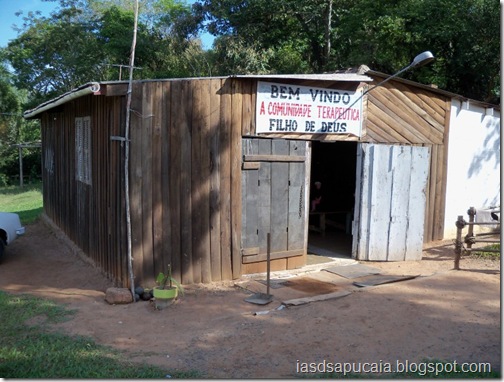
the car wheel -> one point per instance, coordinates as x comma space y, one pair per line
2, 248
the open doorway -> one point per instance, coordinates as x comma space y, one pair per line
333, 167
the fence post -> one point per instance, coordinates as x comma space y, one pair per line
460, 223
469, 238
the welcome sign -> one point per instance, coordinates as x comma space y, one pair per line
283, 108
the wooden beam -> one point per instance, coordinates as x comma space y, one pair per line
250, 251
273, 158
251, 165
273, 255
113, 90
235, 150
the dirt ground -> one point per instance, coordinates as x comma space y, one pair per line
443, 314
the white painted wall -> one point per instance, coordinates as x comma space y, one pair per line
473, 162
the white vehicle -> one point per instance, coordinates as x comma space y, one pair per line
10, 229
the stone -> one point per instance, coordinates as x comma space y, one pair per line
146, 296
118, 296
139, 290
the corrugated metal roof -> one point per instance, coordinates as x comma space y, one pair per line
338, 76
95, 86
349, 75
90, 87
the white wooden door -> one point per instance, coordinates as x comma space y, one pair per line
390, 202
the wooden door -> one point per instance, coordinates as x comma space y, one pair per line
390, 202
273, 198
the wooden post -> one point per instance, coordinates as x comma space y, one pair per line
268, 260
469, 238
460, 223
20, 150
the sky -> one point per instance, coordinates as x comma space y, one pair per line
8, 8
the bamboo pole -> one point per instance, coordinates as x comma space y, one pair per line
126, 154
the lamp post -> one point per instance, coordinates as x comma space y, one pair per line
419, 60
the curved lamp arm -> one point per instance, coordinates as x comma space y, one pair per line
419, 60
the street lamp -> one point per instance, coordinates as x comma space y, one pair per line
420, 60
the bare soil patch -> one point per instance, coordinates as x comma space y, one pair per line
442, 314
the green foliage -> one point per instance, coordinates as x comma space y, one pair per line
164, 280
385, 35
54, 55
34, 351
14, 129
26, 201
235, 55
263, 25
88, 40
482, 253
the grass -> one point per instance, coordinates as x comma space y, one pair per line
29, 345
28, 349
488, 255
26, 201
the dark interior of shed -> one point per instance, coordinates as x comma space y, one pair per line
334, 166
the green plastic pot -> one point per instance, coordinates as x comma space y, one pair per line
165, 293
164, 297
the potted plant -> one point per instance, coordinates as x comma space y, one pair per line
167, 289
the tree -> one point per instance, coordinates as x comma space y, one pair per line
293, 26
14, 129
54, 55
463, 35
83, 41
326, 35
87, 40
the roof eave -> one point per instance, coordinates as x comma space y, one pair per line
89, 88
435, 89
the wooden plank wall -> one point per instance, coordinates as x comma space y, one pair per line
400, 113
186, 178
90, 215
185, 171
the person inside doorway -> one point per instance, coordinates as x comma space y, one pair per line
316, 197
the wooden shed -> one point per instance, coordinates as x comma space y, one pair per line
217, 163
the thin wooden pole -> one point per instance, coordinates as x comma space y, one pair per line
20, 151
268, 259
458, 242
469, 238
327, 48
126, 154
